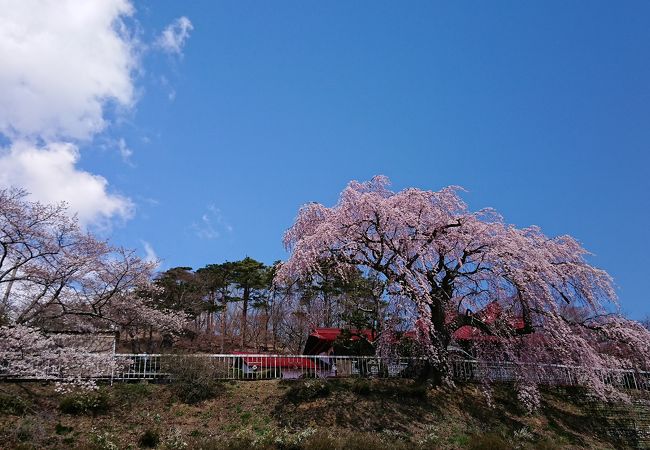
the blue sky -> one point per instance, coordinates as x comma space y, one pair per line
540, 110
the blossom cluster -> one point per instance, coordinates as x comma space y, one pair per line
530, 298
27, 353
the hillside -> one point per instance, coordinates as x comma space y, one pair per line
313, 414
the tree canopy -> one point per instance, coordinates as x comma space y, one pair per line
448, 263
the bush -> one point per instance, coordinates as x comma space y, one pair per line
192, 379
149, 439
85, 402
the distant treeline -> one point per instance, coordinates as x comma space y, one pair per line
237, 306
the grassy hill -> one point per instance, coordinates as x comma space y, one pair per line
312, 414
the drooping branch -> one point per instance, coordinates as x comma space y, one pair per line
439, 255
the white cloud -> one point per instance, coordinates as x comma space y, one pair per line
150, 254
125, 151
172, 39
63, 64
62, 61
50, 174
205, 229
211, 225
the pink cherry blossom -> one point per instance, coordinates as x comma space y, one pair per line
451, 264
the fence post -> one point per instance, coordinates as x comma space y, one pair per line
114, 361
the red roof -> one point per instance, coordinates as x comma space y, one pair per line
321, 340
330, 334
487, 315
467, 333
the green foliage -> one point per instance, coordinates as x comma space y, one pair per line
353, 300
149, 439
215, 281
251, 273
193, 379
14, 405
93, 402
181, 291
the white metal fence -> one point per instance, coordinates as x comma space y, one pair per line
257, 367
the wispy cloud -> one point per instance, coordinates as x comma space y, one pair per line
150, 255
212, 224
173, 38
125, 152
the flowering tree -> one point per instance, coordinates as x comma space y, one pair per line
55, 276
28, 354
451, 263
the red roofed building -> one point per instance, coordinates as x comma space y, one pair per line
322, 340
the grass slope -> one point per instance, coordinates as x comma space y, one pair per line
311, 414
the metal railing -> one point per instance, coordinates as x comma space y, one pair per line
144, 366
259, 367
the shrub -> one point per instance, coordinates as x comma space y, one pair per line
192, 379
85, 402
149, 439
